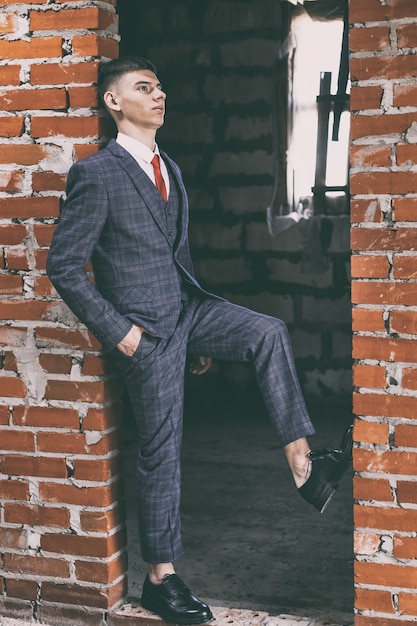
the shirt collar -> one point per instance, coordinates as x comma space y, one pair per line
136, 148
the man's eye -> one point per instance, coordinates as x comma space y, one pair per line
143, 88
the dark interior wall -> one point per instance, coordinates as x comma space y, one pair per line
218, 62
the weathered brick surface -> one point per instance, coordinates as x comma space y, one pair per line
384, 212
48, 119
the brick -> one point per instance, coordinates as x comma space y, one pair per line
63, 73
43, 233
403, 322
365, 620
43, 287
53, 517
371, 432
83, 97
386, 462
406, 154
365, 98
405, 435
101, 572
409, 378
25, 310
384, 293
386, 182
17, 259
10, 75
406, 36
25, 154
17, 440
374, 38
384, 405
8, 23
366, 543
405, 95
374, 600
376, 11
98, 597
84, 150
47, 467
98, 547
10, 362
370, 156
97, 470
95, 365
371, 376
72, 19
389, 67
103, 419
405, 267
56, 363
12, 387
41, 256
67, 443
100, 521
27, 99
4, 415
13, 539
26, 589
373, 489
29, 207
407, 603
83, 496
401, 520
406, 492
37, 47
366, 211
385, 574
367, 320
405, 547
57, 613
370, 266
14, 490
11, 182
12, 336
380, 125
48, 181
36, 565
43, 417
10, 285
11, 126
12, 234
94, 45
81, 126
405, 209
62, 337
91, 391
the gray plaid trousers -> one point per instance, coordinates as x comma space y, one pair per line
154, 380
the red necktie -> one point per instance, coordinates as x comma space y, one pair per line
159, 181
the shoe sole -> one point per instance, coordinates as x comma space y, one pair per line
188, 622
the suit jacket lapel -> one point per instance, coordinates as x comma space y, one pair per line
131, 168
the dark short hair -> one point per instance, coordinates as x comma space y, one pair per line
111, 71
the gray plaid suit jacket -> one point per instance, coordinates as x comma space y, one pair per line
109, 217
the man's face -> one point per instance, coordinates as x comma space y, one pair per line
139, 99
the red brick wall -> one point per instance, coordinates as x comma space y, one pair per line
384, 292
61, 535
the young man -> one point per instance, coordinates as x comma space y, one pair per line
126, 211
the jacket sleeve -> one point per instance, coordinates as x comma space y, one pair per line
79, 228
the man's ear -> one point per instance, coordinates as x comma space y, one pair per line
111, 101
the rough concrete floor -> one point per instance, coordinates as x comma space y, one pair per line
251, 541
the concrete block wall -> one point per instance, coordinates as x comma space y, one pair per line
384, 244
62, 544
218, 63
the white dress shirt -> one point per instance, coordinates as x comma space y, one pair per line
143, 156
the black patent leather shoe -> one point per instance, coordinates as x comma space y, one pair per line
174, 602
327, 468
